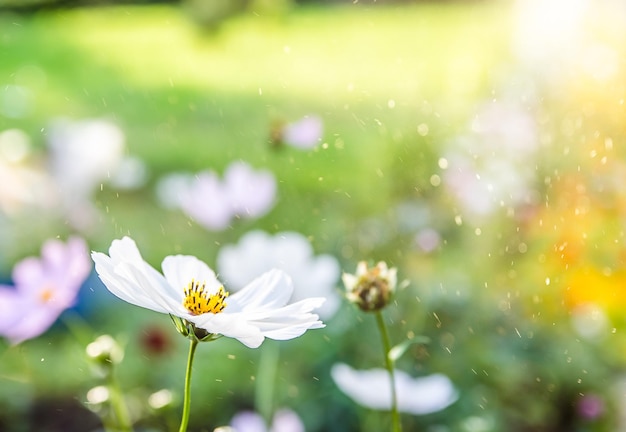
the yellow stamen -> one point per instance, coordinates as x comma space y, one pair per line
198, 302
46, 294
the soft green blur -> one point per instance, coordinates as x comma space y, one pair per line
396, 86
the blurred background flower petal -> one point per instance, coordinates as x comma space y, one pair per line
371, 389
257, 252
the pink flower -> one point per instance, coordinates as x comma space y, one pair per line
213, 202
304, 133
590, 406
44, 288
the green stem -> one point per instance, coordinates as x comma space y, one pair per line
185, 419
389, 364
119, 407
266, 379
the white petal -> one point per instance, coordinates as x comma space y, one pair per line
248, 421
270, 290
349, 280
372, 389
288, 322
252, 326
231, 325
179, 270
286, 420
129, 277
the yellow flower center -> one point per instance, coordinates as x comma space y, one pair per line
46, 294
198, 302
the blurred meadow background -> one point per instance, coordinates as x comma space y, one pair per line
476, 146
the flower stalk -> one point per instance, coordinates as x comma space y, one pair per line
193, 343
265, 381
122, 416
389, 364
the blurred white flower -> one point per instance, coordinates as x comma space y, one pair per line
372, 389
170, 188
23, 183
131, 173
258, 252
493, 166
213, 203
305, 133
189, 290
82, 156
284, 420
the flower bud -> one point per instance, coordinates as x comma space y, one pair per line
104, 352
370, 288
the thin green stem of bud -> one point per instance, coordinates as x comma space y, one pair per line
389, 364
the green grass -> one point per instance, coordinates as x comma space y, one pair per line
190, 100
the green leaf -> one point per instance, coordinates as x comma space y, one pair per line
397, 351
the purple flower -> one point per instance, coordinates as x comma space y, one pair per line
44, 288
251, 193
213, 202
205, 199
590, 406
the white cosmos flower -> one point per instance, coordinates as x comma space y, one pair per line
258, 252
372, 389
188, 289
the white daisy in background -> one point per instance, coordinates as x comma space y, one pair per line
189, 290
284, 420
372, 389
82, 156
213, 202
258, 252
